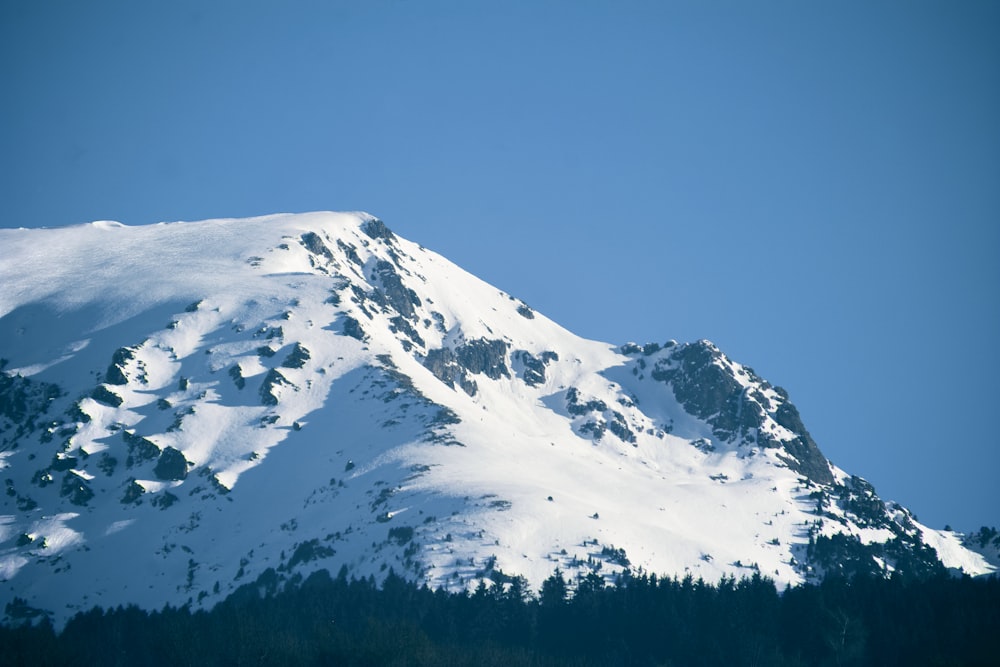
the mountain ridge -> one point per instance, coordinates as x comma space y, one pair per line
207, 401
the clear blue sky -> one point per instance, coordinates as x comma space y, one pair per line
815, 186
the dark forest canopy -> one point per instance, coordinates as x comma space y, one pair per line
643, 620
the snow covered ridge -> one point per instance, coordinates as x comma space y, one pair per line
186, 406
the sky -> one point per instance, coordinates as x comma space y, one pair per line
814, 186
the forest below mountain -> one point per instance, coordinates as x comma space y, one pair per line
642, 620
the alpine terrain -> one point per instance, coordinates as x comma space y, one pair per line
187, 408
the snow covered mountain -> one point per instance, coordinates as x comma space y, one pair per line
186, 407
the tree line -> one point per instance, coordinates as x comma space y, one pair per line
641, 620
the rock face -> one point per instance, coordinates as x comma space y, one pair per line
171, 466
23, 405
308, 392
476, 357
741, 407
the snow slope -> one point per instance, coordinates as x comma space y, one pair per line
186, 407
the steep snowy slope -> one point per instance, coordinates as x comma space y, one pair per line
185, 407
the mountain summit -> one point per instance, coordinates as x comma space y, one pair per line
187, 408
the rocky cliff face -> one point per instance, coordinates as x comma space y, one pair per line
742, 409
186, 407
